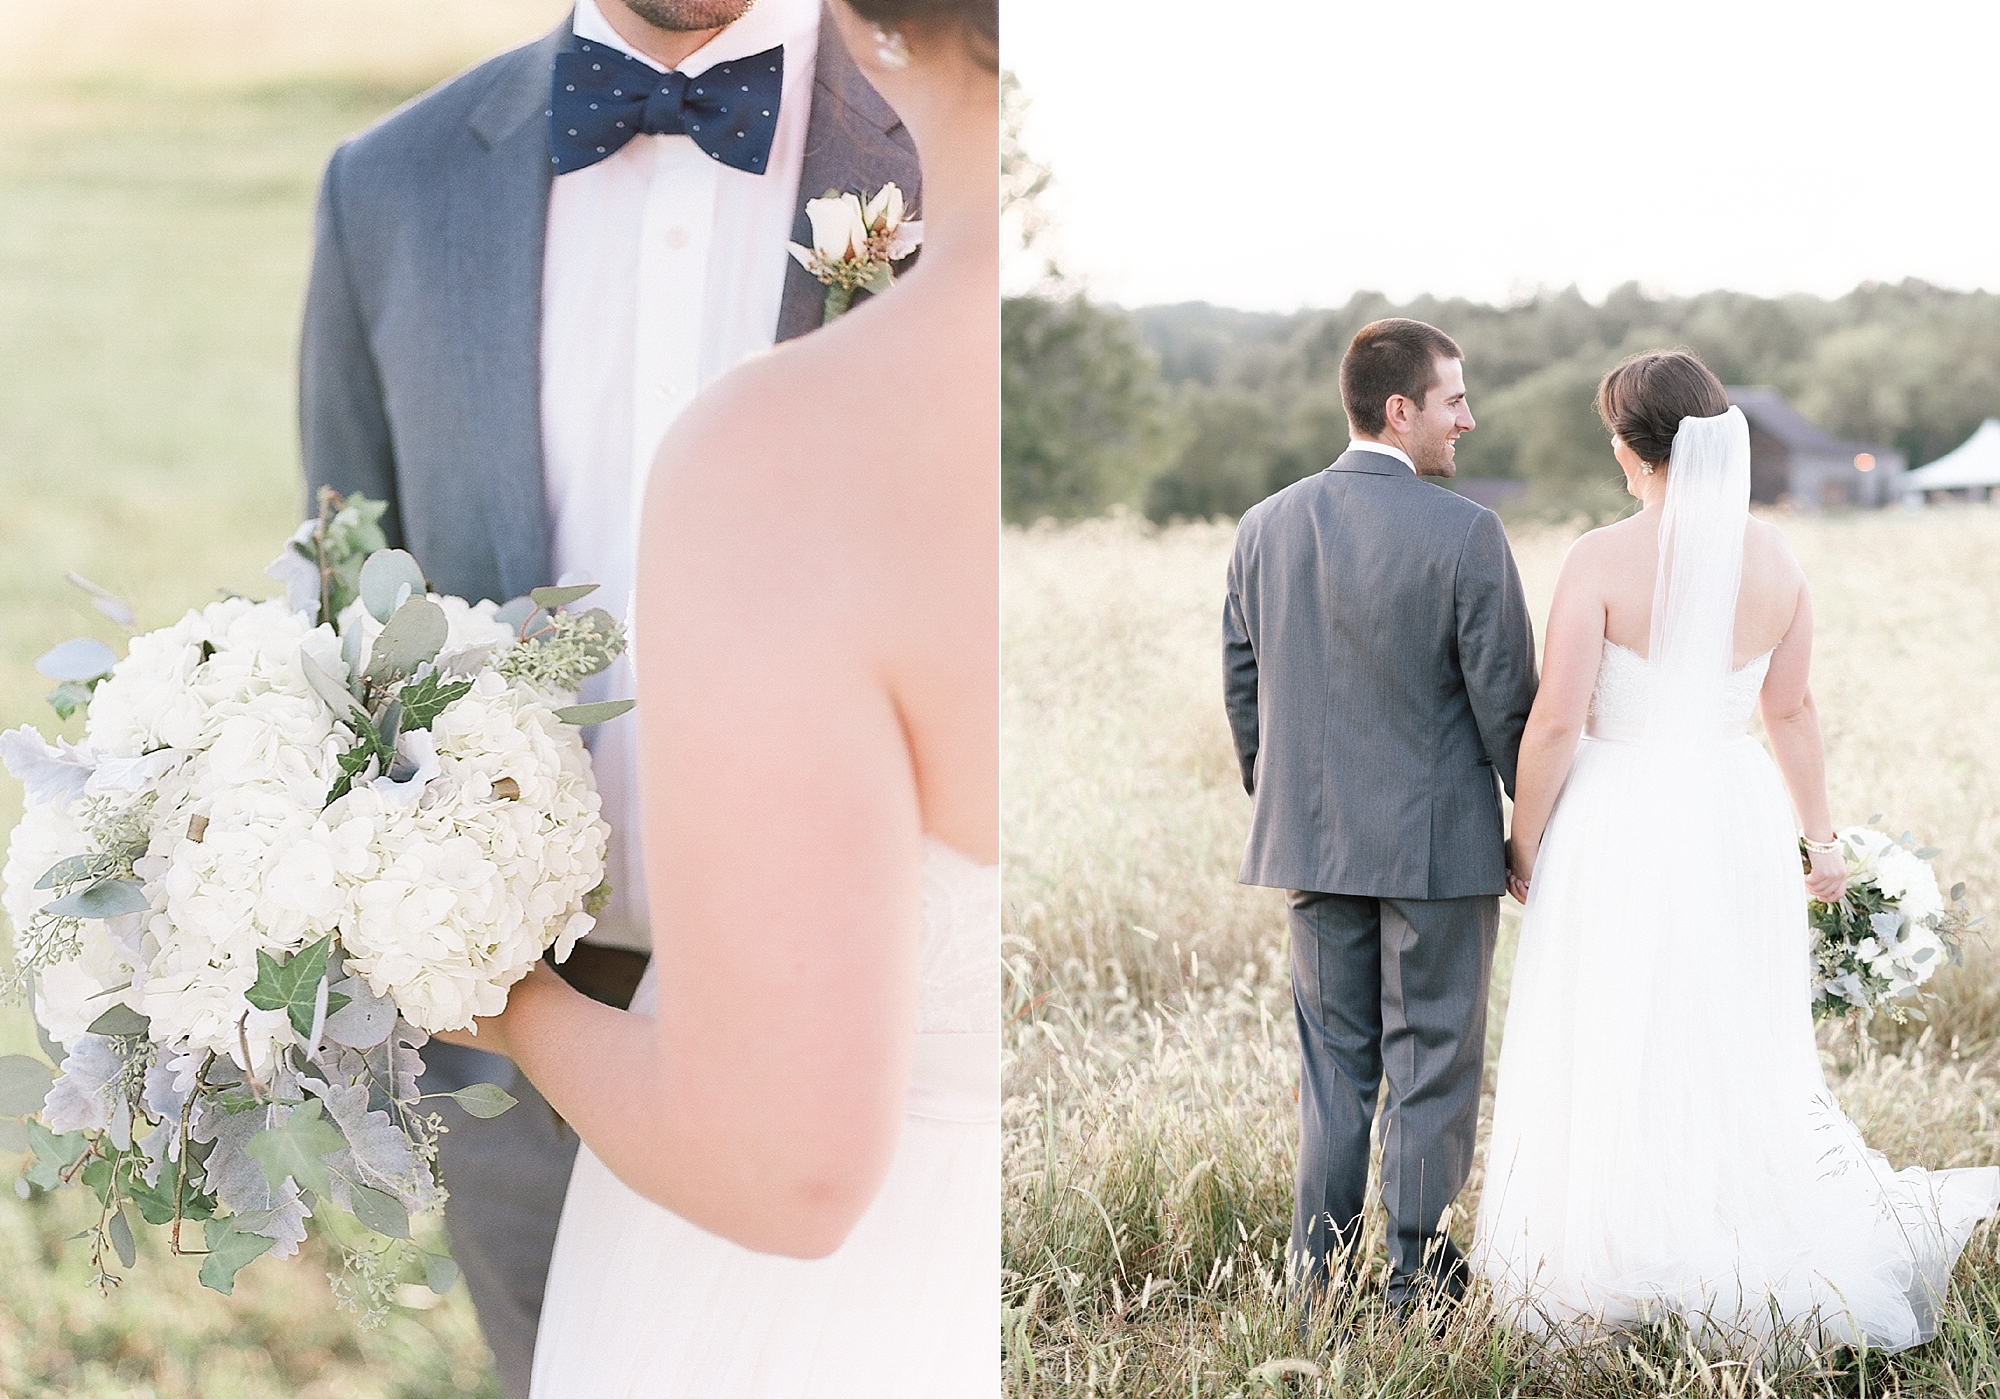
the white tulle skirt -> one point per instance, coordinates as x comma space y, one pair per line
1663, 1140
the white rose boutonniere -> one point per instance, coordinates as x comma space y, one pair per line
856, 243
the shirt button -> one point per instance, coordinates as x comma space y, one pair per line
663, 389
677, 238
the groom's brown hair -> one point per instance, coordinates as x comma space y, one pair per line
1392, 356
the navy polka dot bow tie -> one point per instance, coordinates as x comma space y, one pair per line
600, 98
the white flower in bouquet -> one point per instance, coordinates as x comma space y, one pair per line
1889, 934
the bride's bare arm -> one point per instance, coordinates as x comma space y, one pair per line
1791, 723
1573, 645
784, 848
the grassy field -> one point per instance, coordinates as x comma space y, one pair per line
1150, 1114
154, 238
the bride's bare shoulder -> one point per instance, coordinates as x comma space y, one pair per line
880, 402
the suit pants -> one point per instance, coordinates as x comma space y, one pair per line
508, 1176
1395, 990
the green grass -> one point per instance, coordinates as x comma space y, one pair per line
1150, 1117
153, 253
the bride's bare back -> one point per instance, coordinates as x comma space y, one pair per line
1620, 562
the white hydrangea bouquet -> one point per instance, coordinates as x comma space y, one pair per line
1876, 948
299, 836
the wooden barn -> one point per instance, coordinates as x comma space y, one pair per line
1796, 462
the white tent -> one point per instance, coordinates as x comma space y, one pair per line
1975, 466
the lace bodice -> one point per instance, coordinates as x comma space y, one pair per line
958, 968
1618, 702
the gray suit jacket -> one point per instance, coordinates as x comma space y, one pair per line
420, 362
1379, 665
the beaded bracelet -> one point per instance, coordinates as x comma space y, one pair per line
1820, 847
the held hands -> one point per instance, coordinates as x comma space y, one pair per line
1826, 880
1520, 867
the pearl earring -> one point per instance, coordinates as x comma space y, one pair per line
1647, 468
891, 50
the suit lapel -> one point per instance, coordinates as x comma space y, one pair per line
854, 142
495, 231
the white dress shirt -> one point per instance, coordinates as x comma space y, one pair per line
663, 268
1359, 445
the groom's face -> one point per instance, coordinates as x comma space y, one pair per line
1436, 426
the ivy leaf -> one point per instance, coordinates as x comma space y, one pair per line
293, 984
440, 1273
121, 1019
53, 1154
562, 597
24, 1082
381, 1212
484, 1099
68, 697
425, 699
294, 1148
353, 763
229, 1253
584, 715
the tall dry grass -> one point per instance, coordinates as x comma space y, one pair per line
1151, 1118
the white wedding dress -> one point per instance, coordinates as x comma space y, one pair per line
1663, 1138
642, 1303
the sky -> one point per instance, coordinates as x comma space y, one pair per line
1280, 154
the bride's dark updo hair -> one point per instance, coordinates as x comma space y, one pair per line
1644, 399
976, 23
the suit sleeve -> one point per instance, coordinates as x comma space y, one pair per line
1496, 643
343, 421
1239, 679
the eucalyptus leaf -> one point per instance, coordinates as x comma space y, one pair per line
109, 603
332, 690
381, 1212
121, 1019
384, 576
1958, 891
13, 1134
414, 635
83, 658
229, 1252
584, 715
516, 612
484, 1099
297, 1147
120, 1231
74, 870
108, 898
440, 1273
1930, 852
559, 597
24, 1082
350, 649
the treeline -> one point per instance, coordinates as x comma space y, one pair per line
1196, 410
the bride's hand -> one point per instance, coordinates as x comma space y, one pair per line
492, 1036
1827, 879
1520, 869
